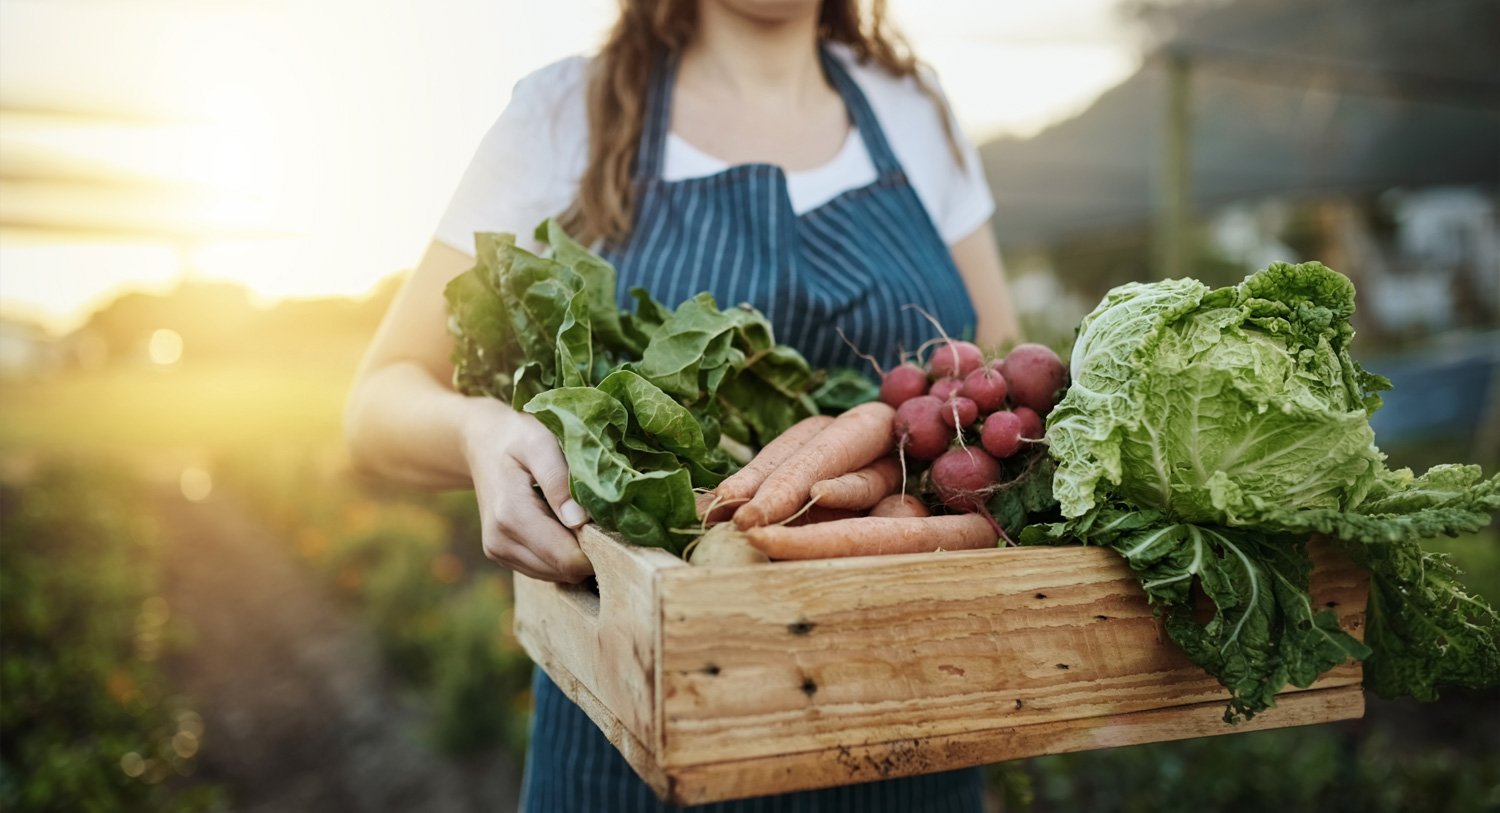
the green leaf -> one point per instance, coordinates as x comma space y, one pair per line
599, 283
843, 390
669, 426
644, 507
1264, 632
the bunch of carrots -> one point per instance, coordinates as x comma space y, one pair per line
837, 486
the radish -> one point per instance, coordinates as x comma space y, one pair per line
1031, 423
902, 384
959, 412
919, 429
1001, 435
955, 358
1035, 374
945, 388
986, 388
963, 478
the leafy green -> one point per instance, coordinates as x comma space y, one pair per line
1209, 433
1217, 406
638, 400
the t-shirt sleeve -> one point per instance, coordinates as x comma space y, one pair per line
965, 202
527, 166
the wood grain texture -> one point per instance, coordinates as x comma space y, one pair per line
607, 643
717, 683
795, 657
784, 773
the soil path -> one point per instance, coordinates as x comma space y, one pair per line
299, 713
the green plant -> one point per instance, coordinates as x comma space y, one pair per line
87, 718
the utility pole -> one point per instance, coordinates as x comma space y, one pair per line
1174, 191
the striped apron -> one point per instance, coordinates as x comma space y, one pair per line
851, 264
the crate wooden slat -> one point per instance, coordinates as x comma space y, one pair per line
721, 683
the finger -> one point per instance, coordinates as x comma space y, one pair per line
549, 469
515, 556
527, 520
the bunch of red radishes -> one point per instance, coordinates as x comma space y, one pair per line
966, 414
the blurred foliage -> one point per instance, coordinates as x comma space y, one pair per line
87, 719
1366, 766
411, 565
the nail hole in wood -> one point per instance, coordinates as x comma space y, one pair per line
1019, 704
809, 688
711, 669
1101, 618
1062, 666
1041, 595
801, 627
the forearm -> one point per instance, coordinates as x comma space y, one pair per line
405, 425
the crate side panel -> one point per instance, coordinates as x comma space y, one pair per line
787, 659
606, 643
784, 773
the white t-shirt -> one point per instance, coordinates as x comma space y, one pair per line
529, 165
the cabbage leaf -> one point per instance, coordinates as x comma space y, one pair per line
1208, 433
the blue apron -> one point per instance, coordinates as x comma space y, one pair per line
853, 264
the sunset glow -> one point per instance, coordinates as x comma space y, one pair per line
280, 146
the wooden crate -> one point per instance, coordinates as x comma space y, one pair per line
724, 683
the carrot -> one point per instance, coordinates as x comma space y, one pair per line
900, 505
854, 440
870, 536
742, 485
818, 513
859, 489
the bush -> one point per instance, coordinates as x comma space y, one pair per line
87, 721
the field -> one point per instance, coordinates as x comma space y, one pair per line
231, 476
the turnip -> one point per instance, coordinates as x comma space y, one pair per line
1035, 374
959, 412
945, 388
986, 387
903, 383
955, 358
1031, 423
963, 478
724, 545
1001, 435
919, 429
900, 505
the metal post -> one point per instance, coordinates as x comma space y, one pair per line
1174, 188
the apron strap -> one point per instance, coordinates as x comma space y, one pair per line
649, 156
860, 112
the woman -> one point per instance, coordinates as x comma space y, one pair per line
785, 154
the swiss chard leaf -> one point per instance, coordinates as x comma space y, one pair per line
647, 507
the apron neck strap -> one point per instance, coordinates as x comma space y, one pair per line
650, 154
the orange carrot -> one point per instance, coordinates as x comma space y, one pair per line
860, 489
870, 536
854, 440
818, 513
742, 485
900, 505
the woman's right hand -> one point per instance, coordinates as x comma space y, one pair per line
510, 455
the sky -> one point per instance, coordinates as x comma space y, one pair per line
308, 147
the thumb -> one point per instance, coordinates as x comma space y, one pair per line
550, 470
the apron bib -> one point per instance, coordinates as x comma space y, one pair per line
852, 263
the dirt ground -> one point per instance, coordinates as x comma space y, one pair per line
299, 714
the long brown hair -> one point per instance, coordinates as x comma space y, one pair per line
620, 74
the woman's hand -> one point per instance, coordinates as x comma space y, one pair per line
508, 452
